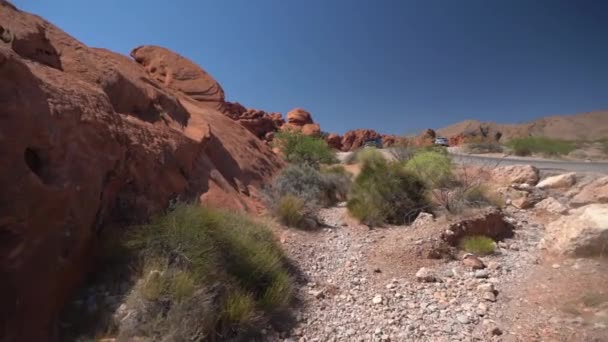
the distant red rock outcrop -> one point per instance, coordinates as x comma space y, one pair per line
356, 138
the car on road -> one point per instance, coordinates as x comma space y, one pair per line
440, 141
377, 143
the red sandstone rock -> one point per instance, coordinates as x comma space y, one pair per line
334, 141
90, 139
356, 138
299, 117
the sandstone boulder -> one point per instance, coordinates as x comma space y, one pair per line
516, 174
299, 117
558, 182
313, 130
594, 192
334, 141
355, 139
583, 233
177, 72
425, 138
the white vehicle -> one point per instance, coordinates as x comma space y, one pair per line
442, 141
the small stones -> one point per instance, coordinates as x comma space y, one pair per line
493, 265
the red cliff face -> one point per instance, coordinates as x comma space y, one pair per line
90, 140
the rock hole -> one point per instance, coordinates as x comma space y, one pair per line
37, 163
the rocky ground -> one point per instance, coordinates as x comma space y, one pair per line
359, 284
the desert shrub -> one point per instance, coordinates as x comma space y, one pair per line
192, 254
290, 210
384, 192
402, 153
298, 148
480, 196
483, 147
314, 188
604, 144
540, 145
479, 245
433, 167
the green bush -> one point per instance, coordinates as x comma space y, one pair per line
298, 148
478, 244
433, 167
384, 192
483, 147
540, 145
290, 210
187, 253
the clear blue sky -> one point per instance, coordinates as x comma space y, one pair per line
393, 65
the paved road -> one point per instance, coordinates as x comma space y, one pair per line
542, 164
547, 165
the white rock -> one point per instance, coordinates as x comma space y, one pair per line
582, 233
556, 182
481, 274
516, 174
377, 299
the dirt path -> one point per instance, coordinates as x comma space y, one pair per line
359, 285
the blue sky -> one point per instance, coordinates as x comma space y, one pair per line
396, 66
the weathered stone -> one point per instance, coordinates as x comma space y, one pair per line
516, 174
582, 233
425, 275
556, 182
594, 192
551, 205
472, 261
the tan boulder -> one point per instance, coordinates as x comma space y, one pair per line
583, 233
471, 261
551, 205
516, 174
524, 202
558, 182
299, 117
594, 192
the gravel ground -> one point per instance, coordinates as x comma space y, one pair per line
353, 288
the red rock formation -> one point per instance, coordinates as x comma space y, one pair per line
177, 72
356, 138
299, 117
89, 140
334, 141
258, 122
425, 138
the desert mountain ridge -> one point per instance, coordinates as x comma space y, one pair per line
583, 126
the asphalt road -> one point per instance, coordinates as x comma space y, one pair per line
542, 164
546, 165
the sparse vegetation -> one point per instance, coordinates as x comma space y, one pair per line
479, 245
298, 148
193, 254
483, 146
541, 145
433, 167
290, 210
480, 196
299, 190
385, 192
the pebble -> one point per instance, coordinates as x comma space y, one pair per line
377, 299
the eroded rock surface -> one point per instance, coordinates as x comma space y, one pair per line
91, 140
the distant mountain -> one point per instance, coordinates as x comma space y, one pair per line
583, 126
